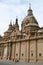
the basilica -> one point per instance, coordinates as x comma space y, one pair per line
25, 45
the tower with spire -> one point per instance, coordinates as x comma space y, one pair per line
16, 24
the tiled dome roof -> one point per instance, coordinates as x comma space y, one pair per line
30, 20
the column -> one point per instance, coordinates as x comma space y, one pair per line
9, 51
13, 51
36, 50
2, 50
5, 51
20, 50
29, 52
36, 45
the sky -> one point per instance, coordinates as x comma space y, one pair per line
10, 9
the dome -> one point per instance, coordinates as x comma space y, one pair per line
29, 22
29, 19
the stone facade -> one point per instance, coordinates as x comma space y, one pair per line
25, 45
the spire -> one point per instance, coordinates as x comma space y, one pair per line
29, 5
10, 25
16, 24
10, 22
16, 20
30, 10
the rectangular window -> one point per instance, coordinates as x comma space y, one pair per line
22, 54
32, 54
39, 54
16, 54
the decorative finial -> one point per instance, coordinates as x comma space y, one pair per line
29, 5
30, 12
11, 22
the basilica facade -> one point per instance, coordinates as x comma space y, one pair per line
25, 45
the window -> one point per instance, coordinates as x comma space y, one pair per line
32, 33
16, 54
32, 54
22, 54
39, 54
40, 33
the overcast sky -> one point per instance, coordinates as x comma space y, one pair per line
9, 9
